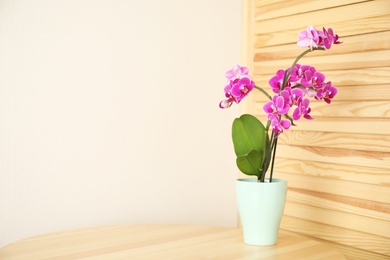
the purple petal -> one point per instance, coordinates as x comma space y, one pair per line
279, 103
305, 103
285, 124
297, 93
268, 107
225, 104
296, 114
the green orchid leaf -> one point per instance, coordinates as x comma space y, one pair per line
250, 164
248, 134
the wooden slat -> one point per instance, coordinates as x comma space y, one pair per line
354, 77
364, 191
344, 29
258, 4
365, 92
358, 77
368, 59
345, 109
337, 217
367, 142
362, 26
275, 9
342, 125
347, 61
349, 205
379, 92
350, 238
373, 109
331, 155
337, 171
358, 43
324, 17
357, 254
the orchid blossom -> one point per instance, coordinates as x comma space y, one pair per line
238, 86
311, 38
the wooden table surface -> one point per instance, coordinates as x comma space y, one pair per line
161, 242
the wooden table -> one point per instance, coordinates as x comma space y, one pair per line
161, 242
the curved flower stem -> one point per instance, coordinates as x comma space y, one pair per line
268, 125
290, 119
273, 161
264, 92
268, 158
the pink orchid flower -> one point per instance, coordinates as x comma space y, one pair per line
311, 37
236, 90
327, 92
295, 74
302, 109
236, 72
277, 106
292, 96
278, 126
330, 38
276, 81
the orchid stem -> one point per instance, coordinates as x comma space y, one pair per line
264, 92
261, 177
274, 139
273, 160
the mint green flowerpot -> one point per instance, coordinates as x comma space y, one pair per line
261, 207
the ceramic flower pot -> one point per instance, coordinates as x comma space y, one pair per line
260, 206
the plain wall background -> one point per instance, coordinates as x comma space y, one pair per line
109, 113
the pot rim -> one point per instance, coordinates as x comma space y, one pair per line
254, 180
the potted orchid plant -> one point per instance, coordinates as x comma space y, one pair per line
255, 143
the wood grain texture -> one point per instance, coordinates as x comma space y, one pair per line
345, 28
356, 43
323, 16
367, 142
371, 59
355, 125
352, 77
162, 242
345, 109
374, 194
353, 244
336, 156
339, 171
337, 165
346, 93
272, 9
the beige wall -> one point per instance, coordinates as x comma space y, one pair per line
337, 165
109, 113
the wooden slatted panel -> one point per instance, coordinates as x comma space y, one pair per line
337, 165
